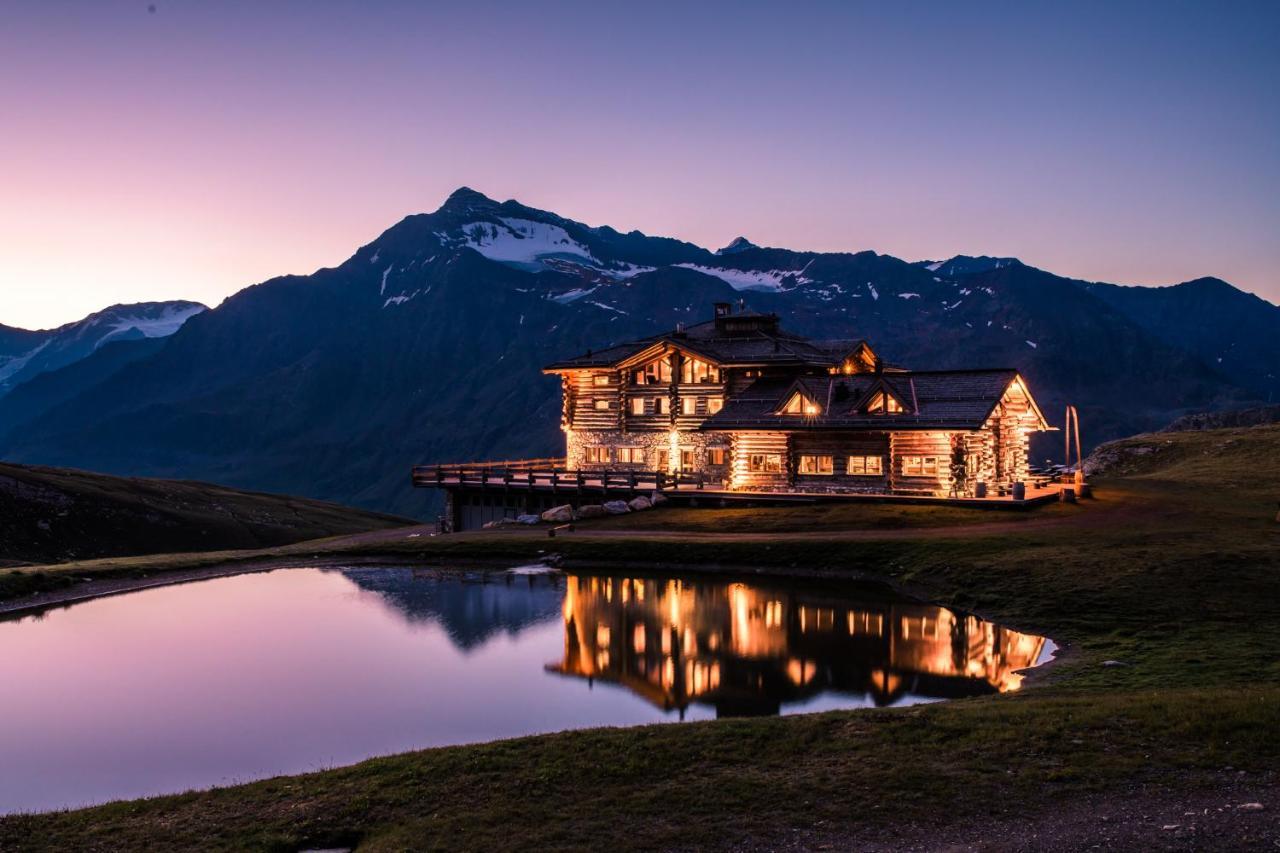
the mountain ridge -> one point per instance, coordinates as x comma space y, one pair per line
427, 343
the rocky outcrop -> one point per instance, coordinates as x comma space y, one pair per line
1224, 420
558, 514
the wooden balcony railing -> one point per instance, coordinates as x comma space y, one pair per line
550, 475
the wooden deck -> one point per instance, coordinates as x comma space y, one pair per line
548, 476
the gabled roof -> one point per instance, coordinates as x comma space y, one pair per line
931, 399
767, 345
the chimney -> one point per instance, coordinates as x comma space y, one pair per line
879, 366
742, 305
723, 309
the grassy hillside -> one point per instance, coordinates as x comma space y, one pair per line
1152, 732
50, 515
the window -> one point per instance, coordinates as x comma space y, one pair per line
637, 405
600, 379
596, 455
716, 455
688, 405
687, 462
630, 455
662, 405
799, 404
603, 405
816, 464
695, 371
883, 403
764, 463
714, 404
663, 459
920, 466
866, 465
654, 373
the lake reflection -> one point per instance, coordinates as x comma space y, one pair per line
747, 649
243, 677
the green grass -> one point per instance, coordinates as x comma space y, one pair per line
1174, 570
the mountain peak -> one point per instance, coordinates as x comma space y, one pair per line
465, 199
739, 244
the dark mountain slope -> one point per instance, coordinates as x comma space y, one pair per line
1194, 316
52, 515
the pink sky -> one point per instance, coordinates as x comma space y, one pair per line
205, 147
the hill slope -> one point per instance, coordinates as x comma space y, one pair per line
53, 514
426, 344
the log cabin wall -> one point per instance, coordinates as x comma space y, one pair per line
1008, 427
594, 406
839, 446
770, 451
920, 462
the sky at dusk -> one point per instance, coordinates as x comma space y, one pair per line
194, 150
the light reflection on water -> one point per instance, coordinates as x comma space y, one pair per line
242, 677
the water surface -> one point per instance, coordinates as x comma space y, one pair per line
237, 678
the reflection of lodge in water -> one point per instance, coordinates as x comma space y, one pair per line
747, 649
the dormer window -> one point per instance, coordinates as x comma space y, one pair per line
884, 403
799, 404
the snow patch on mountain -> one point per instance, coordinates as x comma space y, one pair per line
13, 365
168, 321
747, 279
522, 241
908, 296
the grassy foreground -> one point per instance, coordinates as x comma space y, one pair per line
1174, 572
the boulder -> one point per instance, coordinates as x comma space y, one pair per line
558, 514
640, 503
616, 507
528, 519
592, 511
657, 498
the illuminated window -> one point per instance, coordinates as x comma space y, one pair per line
596, 455
654, 373
714, 404
662, 405
603, 405
799, 404
695, 371
716, 455
662, 460
920, 466
866, 465
630, 455
764, 463
815, 464
883, 403
688, 405
687, 462
600, 379
637, 405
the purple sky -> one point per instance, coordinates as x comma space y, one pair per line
201, 148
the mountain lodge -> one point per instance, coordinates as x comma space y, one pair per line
738, 407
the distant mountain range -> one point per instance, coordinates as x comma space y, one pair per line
426, 345
26, 354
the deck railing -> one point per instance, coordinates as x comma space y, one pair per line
551, 475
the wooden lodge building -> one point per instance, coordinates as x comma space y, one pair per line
737, 407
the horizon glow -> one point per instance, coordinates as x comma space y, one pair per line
191, 152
